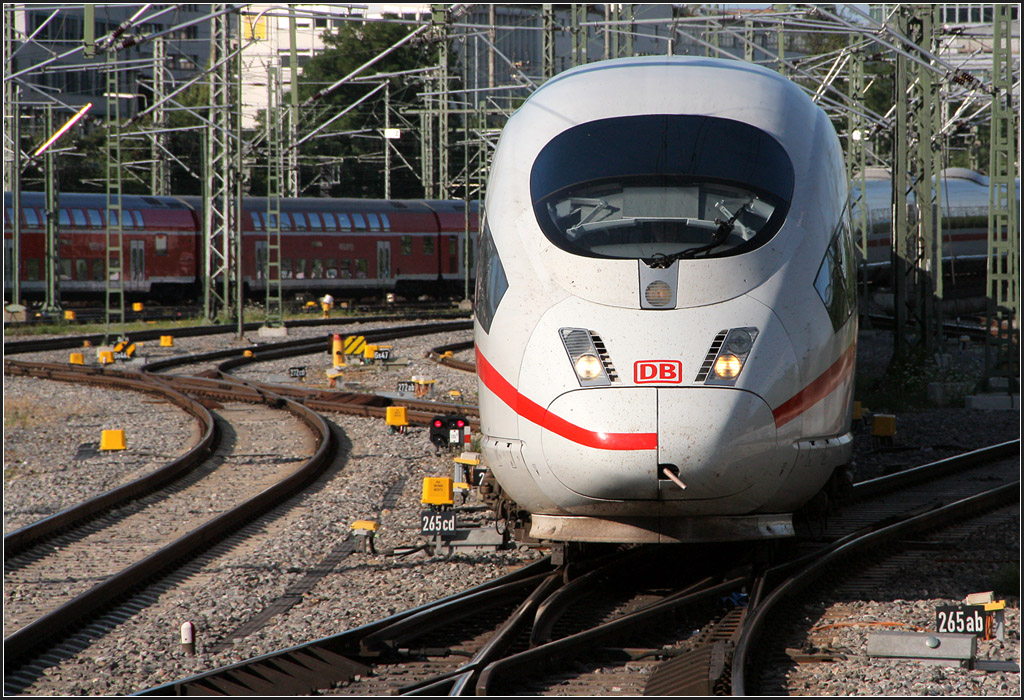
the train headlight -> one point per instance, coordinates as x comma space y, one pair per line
588, 367
658, 293
588, 356
728, 366
726, 356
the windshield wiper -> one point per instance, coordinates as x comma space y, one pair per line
722, 231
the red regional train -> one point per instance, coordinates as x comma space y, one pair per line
343, 247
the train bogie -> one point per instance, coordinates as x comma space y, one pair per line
665, 311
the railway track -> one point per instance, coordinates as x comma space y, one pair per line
41, 619
576, 629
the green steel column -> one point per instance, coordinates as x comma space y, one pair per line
272, 267
1003, 269
12, 151
292, 189
160, 184
900, 226
51, 258
548, 40
114, 276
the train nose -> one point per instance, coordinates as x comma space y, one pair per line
718, 443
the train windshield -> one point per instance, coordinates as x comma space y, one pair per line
661, 188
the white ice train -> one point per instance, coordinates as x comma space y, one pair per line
665, 313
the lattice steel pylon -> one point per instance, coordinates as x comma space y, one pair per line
12, 157
221, 234
114, 276
271, 265
1003, 270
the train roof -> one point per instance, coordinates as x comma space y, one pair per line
98, 200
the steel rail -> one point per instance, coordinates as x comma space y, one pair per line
287, 672
76, 341
20, 645
21, 539
851, 547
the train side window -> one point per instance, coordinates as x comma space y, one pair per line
318, 269
97, 270
345, 269
32, 269
329, 221
343, 222
361, 268
64, 219
126, 219
160, 244
31, 218
81, 269
359, 222
257, 222
374, 221
286, 222
78, 216
428, 246
112, 217
65, 269
271, 221
300, 268
300, 221
137, 215
286, 268
332, 269
95, 218
385, 222
314, 221
406, 245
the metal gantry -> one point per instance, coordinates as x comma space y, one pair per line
1003, 268
936, 101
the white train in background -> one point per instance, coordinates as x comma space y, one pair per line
666, 311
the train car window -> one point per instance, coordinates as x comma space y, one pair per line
385, 222
345, 269
78, 216
257, 222
361, 268
300, 268
271, 221
300, 221
374, 221
318, 269
428, 246
707, 188
836, 282
332, 269
81, 269
286, 268
358, 222
344, 223
31, 218
32, 269
97, 270
112, 217
329, 222
64, 219
406, 245
160, 244
126, 219
286, 222
95, 218
137, 215
314, 221
491, 282
65, 270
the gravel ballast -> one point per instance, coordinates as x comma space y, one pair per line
41, 475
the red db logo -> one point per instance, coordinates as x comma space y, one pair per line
658, 372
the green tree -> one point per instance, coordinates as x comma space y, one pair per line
348, 154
